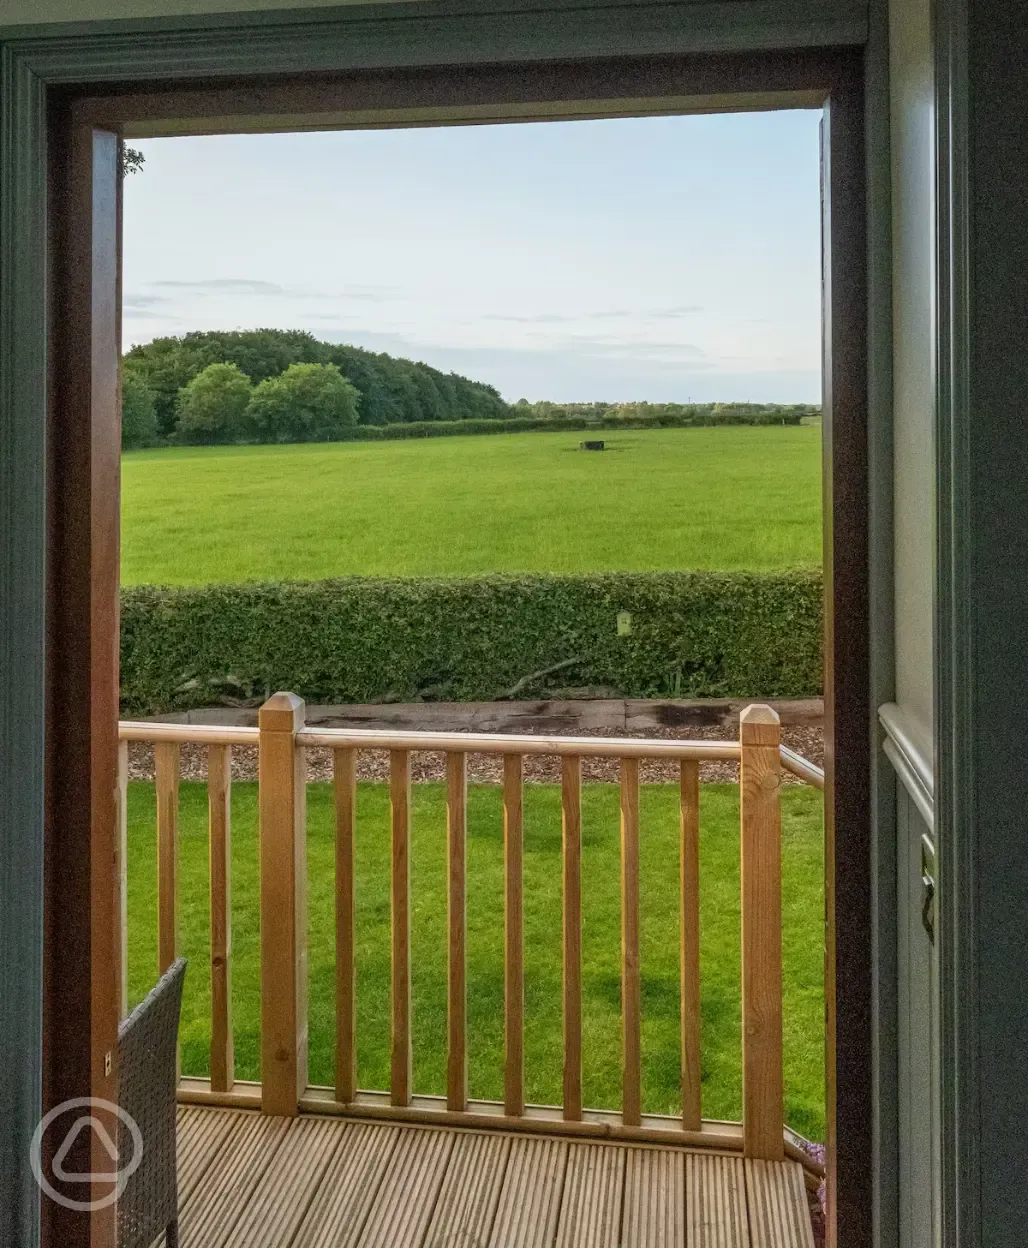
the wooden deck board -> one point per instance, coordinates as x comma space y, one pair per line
209, 1214
777, 1202
715, 1202
467, 1203
286, 1188
590, 1213
530, 1198
202, 1135
337, 1214
654, 1211
249, 1181
406, 1199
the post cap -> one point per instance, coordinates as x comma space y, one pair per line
283, 712
759, 725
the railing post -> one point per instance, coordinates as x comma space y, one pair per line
283, 802
761, 871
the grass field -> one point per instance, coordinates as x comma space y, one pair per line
659, 500
802, 936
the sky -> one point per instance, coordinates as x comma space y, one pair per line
668, 259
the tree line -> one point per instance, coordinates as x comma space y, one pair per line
272, 385
673, 413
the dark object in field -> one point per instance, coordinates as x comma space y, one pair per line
591, 446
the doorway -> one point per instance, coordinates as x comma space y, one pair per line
84, 580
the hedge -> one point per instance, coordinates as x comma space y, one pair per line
702, 417
693, 634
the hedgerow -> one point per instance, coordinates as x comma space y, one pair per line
692, 635
703, 417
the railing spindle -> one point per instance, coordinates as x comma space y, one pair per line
344, 763
689, 862
631, 996
283, 851
123, 768
166, 770
513, 937
219, 801
761, 868
456, 914
571, 821
283, 739
401, 1058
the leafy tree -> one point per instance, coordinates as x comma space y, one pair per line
391, 389
211, 407
132, 160
307, 403
170, 364
138, 414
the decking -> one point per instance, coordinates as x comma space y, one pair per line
248, 1180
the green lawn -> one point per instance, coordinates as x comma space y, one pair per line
803, 940
659, 500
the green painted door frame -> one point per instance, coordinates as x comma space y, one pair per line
38, 66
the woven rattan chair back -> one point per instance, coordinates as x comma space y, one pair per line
147, 1080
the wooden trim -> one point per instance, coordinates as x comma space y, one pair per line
689, 866
345, 783
82, 911
471, 34
849, 715
43, 60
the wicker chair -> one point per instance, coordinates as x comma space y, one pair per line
147, 1078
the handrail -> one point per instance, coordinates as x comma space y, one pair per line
187, 734
282, 739
146, 731
801, 767
509, 743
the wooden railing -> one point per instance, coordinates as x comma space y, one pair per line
282, 738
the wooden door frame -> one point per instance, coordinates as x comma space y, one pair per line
163, 80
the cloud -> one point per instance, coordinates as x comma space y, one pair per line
251, 286
570, 375
553, 318
141, 303
618, 344
670, 314
538, 318
226, 286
